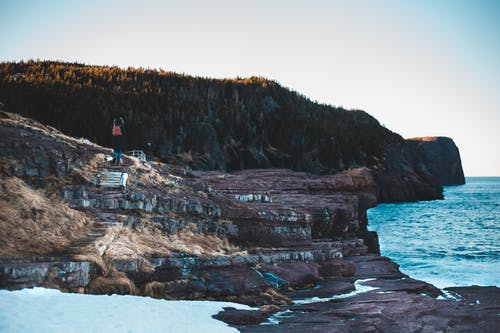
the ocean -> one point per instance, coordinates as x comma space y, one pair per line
450, 242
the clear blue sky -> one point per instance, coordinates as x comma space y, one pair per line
426, 67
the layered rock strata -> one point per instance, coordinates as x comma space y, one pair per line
285, 208
280, 216
69, 275
182, 276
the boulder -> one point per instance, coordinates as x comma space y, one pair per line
293, 274
337, 268
232, 281
234, 316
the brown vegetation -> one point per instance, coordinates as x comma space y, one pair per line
34, 222
150, 242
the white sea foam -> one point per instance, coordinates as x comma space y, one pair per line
359, 289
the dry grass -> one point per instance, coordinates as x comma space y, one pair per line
147, 174
33, 222
113, 283
153, 243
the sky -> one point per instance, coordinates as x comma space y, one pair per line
422, 68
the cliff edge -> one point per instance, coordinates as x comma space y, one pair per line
440, 157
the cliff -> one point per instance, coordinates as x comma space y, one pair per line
209, 124
169, 223
440, 157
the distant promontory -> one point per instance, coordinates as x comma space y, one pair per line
441, 157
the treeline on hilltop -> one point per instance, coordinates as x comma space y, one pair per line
208, 123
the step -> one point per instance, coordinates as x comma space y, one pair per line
110, 184
113, 195
78, 246
95, 234
106, 214
112, 179
108, 224
121, 167
105, 191
106, 218
100, 224
80, 241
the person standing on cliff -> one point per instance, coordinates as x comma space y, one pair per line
118, 139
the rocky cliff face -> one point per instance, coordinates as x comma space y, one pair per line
440, 157
399, 179
269, 205
293, 243
173, 233
271, 208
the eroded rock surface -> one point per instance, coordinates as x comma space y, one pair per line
385, 301
286, 208
64, 275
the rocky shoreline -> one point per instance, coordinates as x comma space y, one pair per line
385, 301
292, 244
290, 291
242, 277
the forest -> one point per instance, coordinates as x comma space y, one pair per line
223, 124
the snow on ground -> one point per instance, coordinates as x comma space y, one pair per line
48, 310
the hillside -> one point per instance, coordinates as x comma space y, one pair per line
55, 211
210, 124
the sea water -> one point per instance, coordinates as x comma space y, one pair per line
450, 242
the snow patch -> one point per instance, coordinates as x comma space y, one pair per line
48, 310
